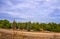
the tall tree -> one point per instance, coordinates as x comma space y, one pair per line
14, 25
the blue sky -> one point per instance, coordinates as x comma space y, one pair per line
30, 10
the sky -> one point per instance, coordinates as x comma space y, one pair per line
30, 10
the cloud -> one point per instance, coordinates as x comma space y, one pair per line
31, 10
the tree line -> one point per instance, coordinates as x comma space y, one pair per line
29, 26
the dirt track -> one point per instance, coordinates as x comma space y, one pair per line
12, 33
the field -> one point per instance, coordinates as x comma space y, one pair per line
15, 34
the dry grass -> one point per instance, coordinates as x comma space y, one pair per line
10, 36
28, 35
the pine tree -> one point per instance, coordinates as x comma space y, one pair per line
14, 25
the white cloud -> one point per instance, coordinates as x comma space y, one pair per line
30, 9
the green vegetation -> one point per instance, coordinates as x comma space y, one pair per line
52, 27
5, 24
